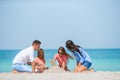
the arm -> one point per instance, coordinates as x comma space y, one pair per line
79, 64
64, 66
64, 63
81, 58
33, 67
31, 61
53, 62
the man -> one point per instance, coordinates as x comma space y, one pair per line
26, 56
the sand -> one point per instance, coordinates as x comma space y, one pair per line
56, 73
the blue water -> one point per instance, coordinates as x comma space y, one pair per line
103, 59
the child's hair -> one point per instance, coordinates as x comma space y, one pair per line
64, 52
72, 47
41, 54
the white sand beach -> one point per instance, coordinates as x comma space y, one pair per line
59, 74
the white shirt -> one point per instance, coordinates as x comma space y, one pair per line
24, 56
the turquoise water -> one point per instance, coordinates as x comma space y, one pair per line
103, 59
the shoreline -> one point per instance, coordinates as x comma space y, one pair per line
57, 73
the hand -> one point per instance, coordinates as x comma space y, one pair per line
33, 71
29, 63
52, 62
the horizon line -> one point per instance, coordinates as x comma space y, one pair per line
65, 48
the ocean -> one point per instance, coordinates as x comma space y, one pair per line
103, 59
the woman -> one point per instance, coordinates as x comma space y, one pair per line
62, 58
83, 59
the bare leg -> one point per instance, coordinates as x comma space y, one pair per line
82, 68
77, 67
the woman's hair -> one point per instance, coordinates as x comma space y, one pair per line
41, 54
64, 52
72, 47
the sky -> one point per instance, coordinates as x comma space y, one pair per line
91, 24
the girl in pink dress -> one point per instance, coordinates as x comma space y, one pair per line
40, 61
62, 58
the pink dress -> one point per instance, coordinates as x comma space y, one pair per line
61, 59
40, 61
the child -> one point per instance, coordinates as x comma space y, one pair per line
62, 58
39, 65
83, 59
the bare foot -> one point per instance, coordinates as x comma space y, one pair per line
91, 69
88, 70
15, 72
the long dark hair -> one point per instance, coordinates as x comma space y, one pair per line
72, 47
64, 52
